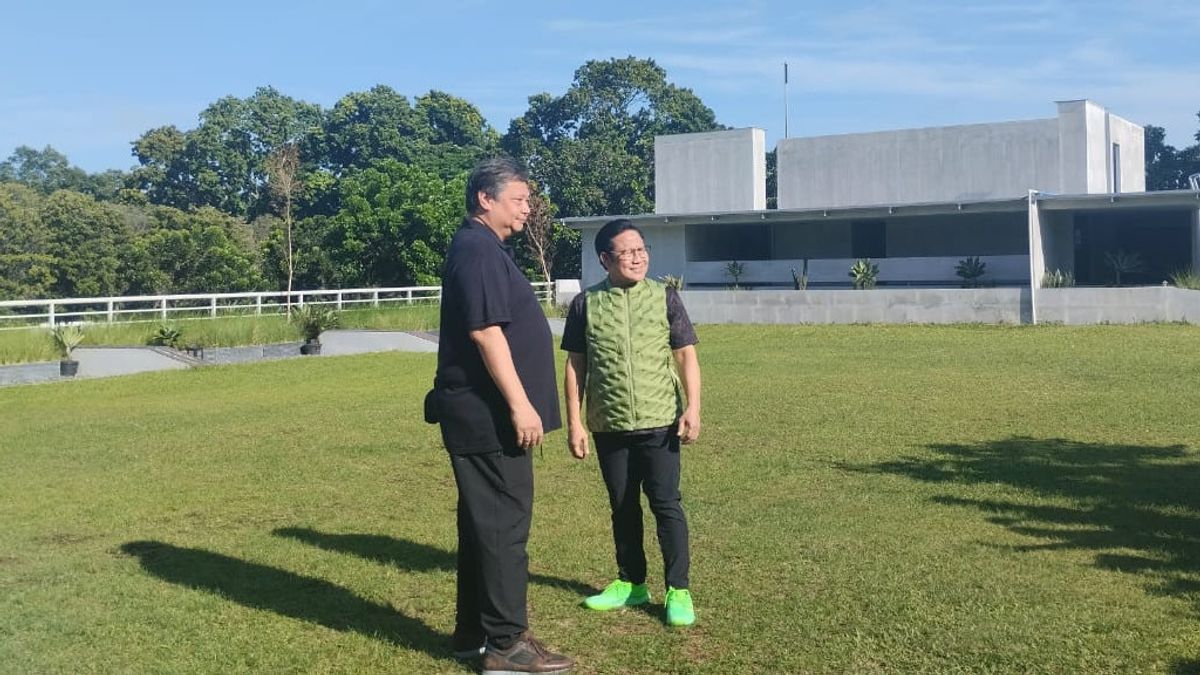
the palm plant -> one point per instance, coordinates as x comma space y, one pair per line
1123, 262
865, 274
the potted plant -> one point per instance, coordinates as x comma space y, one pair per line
314, 320
865, 274
66, 339
971, 271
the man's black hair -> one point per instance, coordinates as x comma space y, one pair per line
610, 231
490, 176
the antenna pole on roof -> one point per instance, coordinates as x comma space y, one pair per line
785, 99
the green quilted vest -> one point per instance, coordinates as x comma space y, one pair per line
631, 378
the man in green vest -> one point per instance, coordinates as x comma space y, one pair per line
631, 356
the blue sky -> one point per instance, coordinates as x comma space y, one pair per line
89, 77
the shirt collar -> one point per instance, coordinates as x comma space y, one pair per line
474, 224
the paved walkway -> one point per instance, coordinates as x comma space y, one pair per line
109, 361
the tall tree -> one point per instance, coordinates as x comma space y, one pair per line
222, 162
395, 225
592, 148
283, 167
26, 264
89, 242
204, 251
536, 241
44, 170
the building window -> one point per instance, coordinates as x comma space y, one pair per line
868, 239
1116, 168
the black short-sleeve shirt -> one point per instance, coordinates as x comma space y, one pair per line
481, 287
574, 337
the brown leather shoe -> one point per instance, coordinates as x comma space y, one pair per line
526, 655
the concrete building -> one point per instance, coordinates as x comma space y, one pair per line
1068, 189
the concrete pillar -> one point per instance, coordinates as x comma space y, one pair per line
1037, 258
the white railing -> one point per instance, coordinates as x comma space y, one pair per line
22, 313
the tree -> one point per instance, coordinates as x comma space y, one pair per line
89, 242
26, 265
282, 169
592, 148
44, 170
1163, 168
222, 162
395, 225
205, 251
537, 241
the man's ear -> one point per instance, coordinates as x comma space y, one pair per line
485, 201
602, 263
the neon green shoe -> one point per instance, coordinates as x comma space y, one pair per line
618, 594
679, 607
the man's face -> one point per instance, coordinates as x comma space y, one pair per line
628, 260
508, 211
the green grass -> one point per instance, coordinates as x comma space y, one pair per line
34, 344
863, 499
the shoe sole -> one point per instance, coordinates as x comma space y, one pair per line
526, 672
609, 609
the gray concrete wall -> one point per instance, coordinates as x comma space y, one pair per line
990, 305
1076, 306
941, 164
712, 171
1132, 139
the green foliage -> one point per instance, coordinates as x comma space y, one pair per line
735, 270
971, 271
1166, 167
1189, 279
313, 319
1058, 279
66, 337
26, 264
1123, 262
592, 148
800, 281
395, 225
672, 281
167, 335
89, 243
864, 273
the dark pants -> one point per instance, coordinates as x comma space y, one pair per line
495, 505
645, 460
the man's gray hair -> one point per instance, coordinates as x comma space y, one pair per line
490, 176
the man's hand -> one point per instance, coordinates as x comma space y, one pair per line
528, 425
689, 425
577, 440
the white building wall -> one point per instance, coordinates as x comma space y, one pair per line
941, 164
1132, 139
712, 171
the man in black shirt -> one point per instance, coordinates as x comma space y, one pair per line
495, 398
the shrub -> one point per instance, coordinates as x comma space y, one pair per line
1186, 279
971, 271
66, 338
1058, 279
672, 281
734, 270
800, 281
314, 319
167, 335
865, 274
1123, 262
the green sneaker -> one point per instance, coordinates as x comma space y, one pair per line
679, 607
618, 594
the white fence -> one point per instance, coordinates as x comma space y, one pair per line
22, 313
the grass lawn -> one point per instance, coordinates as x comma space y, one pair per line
862, 499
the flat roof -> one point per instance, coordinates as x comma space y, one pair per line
1046, 201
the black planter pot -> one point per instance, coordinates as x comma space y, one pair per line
311, 348
68, 368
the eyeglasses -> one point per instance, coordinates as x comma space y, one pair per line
631, 253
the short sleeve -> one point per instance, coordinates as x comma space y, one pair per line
481, 283
574, 337
682, 331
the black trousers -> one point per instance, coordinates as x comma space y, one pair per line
495, 506
632, 462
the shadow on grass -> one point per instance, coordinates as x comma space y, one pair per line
1186, 667
285, 593
1135, 507
404, 554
